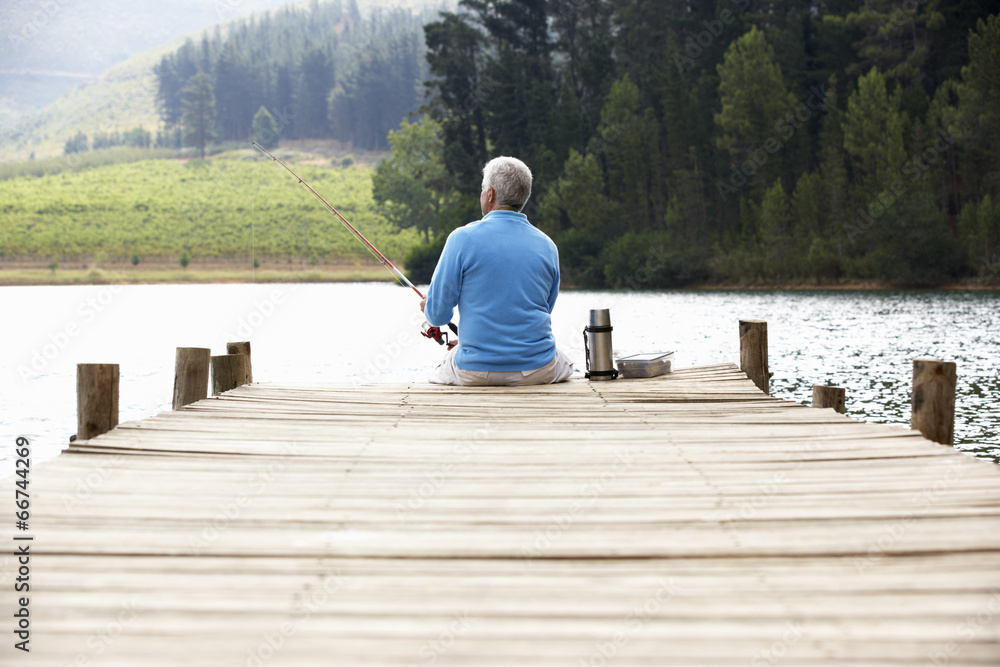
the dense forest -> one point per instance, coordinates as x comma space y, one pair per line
750, 141
320, 71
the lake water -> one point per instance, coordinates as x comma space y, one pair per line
864, 341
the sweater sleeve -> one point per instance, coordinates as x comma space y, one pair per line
446, 284
554, 291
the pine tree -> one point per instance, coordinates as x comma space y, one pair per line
755, 119
810, 253
628, 142
774, 231
583, 33
873, 134
979, 109
198, 112
284, 100
316, 80
897, 37
78, 144
173, 73
582, 219
523, 90
233, 90
458, 91
979, 226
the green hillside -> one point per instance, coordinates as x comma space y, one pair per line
212, 210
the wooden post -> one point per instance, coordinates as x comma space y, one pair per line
190, 375
753, 353
96, 399
830, 397
242, 347
228, 372
932, 407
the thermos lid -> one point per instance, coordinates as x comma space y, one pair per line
600, 317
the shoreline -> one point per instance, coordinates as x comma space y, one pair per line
972, 285
868, 286
40, 277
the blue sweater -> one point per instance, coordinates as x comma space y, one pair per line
503, 275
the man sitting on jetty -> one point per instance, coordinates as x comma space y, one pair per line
503, 275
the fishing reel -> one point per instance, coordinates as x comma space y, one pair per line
439, 336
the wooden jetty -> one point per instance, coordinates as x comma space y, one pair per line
688, 519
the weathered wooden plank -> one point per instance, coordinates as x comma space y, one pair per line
368, 519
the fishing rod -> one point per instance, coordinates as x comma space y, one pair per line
358, 235
428, 331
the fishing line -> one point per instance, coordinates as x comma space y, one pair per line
253, 220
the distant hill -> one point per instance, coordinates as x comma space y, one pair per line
50, 47
65, 66
125, 97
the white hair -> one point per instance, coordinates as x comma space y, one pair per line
510, 179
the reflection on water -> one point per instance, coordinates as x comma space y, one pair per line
863, 341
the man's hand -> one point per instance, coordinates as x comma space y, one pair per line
423, 302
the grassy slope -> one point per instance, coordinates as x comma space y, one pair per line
216, 209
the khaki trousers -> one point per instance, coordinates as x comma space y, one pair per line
557, 370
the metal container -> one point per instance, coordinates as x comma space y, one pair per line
597, 344
646, 365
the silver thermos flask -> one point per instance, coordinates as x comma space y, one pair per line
597, 345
